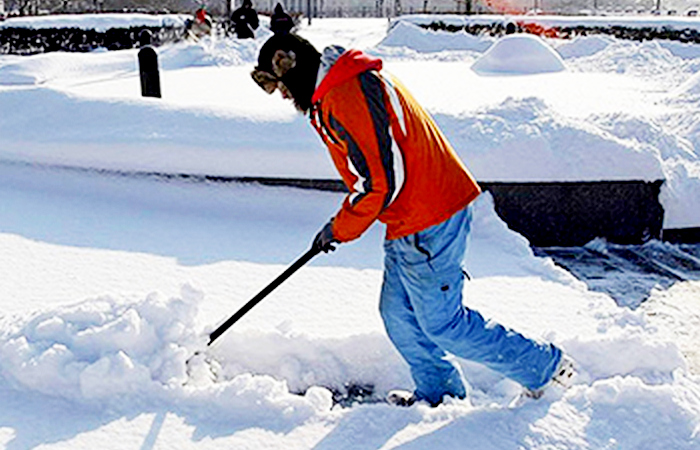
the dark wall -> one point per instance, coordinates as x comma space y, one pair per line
572, 214
559, 214
548, 214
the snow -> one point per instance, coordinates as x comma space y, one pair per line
519, 54
97, 22
112, 281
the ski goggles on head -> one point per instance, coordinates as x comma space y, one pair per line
282, 62
266, 80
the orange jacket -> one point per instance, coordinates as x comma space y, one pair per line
396, 163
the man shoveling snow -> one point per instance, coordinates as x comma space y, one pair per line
400, 169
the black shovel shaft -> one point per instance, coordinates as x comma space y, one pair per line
303, 259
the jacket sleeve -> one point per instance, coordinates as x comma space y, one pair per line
369, 160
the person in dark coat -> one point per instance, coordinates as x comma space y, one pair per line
281, 22
245, 21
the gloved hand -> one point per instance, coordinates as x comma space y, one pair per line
324, 240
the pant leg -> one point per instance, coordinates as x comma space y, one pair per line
431, 270
433, 375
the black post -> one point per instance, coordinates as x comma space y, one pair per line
148, 67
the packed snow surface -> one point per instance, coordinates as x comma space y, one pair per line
111, 281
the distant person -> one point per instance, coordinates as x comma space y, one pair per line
145, 38
201, 25
400, 170
245, 21
281, 22
511, 28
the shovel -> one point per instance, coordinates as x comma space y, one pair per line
214, 335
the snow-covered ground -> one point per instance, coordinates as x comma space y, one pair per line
110, 282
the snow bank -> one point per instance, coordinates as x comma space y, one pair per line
102, 65
525, 140
136, 135
680, 164
145, 135
582, 46
519, 54
190, 131
408, 35
651, 61
99, 22
115, 354
680, 194
43, 68
102, 348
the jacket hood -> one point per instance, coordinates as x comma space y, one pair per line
336, 70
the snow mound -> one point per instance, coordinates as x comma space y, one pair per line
526, 140
99, 348
408, 35
47, 67
680, 193
648, 60
583, 46
100, 64
305, 361
118, 354
648, 133
519, 54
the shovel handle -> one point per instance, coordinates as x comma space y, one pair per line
303, 259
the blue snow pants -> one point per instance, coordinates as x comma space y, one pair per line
421, 306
